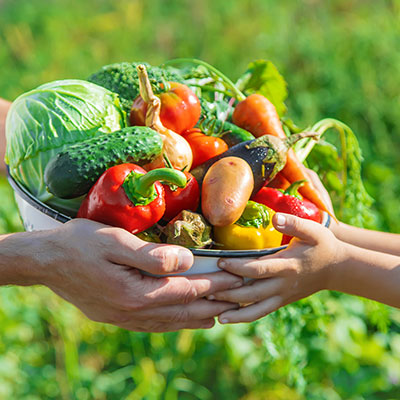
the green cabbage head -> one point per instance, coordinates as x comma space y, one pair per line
46, 120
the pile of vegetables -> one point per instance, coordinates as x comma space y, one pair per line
176, 153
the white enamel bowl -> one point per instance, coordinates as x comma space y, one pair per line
36, 215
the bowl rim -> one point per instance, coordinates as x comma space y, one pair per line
33, 201
60, 217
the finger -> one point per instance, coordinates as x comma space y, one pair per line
252, 293
152, 292
304, 229
314, 178
321, 188
161, 326
256, 268
150, 257
252, 312
198, 310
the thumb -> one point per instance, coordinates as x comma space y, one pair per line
304, 229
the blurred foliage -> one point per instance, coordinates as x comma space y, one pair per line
341, 59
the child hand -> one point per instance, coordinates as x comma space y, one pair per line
285, 277
316, 181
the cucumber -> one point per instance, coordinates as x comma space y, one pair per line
72, 172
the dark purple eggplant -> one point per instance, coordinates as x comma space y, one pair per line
266, 156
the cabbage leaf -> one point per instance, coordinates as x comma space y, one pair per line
46, 120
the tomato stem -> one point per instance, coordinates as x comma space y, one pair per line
211, 89
229, 84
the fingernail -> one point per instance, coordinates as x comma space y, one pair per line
280, 220
185, 260
223, 321
211, 297
222, 264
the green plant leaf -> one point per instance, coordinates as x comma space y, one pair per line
264, 78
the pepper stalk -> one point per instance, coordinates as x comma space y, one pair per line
140, 187
252, 231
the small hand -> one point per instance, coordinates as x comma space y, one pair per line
96, 268
287, 276
321, 189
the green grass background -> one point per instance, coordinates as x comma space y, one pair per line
341, 59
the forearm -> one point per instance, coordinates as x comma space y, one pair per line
367, 273
373, 240
22, 257
4, 107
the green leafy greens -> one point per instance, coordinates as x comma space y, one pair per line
46, 120
263, 77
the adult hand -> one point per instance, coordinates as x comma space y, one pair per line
287, 276
96, 268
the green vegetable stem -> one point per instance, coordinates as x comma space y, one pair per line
355, 201
235, 92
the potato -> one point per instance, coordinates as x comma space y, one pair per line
226, 189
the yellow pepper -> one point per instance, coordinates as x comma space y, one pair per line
254, 230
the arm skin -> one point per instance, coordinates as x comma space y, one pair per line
367, 239
373, 240
4, 107
96, 268
343, 258
315, 260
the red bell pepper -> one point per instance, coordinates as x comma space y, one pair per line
180, 108
288, 201
179, 199
129, 197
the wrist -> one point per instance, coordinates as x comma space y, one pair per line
22, 259
336, 227
336, 271
345, 233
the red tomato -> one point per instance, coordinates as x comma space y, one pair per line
203, 146
180, 109
180, 199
